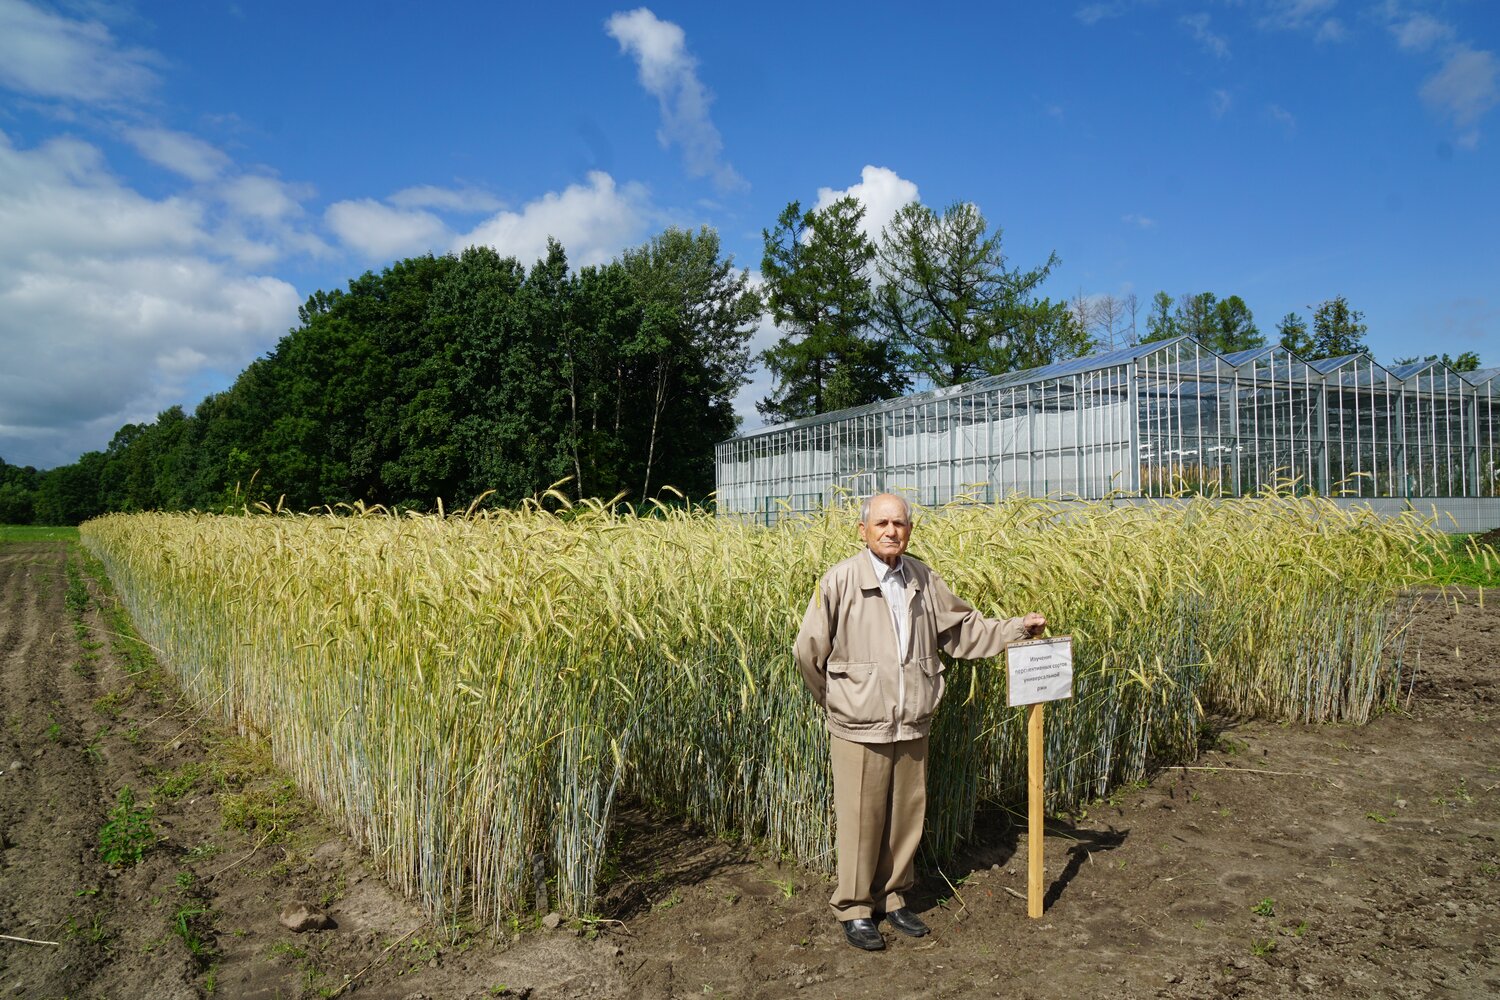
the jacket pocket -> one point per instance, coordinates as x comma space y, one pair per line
925, 688
853, 695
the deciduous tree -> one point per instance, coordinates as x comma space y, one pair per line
697, 316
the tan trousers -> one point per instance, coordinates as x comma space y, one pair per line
879, 804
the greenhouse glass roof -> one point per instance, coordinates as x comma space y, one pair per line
1152, 419
1326, 365
1181, 356
1280, 362
1025, 376
1352, 369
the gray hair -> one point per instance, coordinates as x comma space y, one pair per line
864, 507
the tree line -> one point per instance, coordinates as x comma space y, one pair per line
466, 375
1227, 326
449, 377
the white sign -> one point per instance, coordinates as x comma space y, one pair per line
1040, 670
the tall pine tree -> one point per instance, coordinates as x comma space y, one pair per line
1337, 330
953, 307
818, 286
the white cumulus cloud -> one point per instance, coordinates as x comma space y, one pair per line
881, 190
267, 198
1420, 32
111, 302
1281, 116
1331, 30
448, 199
99, 342
1464, 88
1305, 15
61, 198
592, 221
115, 304
1092, 13
670, 74
381, 232
51, 56
261, 220
179, 152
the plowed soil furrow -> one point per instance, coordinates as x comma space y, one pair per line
197, 914
49, 794
20, 604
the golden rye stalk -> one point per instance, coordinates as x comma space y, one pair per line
465, 694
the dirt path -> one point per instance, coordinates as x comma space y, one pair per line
50, 797
1290, 861
227, 847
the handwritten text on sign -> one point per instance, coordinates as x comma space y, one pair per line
1040, 670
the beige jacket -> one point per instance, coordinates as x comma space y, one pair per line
846, 649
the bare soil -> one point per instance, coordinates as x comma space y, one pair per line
1330, 861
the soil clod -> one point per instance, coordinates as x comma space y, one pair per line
300, 918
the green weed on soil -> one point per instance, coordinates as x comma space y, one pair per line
127, 835
36, 533
135, 656
1467, 561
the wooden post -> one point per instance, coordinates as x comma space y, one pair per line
1034, 796
1037, 671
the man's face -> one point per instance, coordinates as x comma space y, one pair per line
886, 531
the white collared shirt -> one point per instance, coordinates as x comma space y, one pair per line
893, 586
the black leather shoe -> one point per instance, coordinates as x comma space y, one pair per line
862, 933
907, 922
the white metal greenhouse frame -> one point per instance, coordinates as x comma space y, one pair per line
1152, 420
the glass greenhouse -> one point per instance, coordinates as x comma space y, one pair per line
1156, 419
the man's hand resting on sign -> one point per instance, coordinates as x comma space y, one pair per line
1033, 623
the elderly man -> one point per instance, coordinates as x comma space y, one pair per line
868, 650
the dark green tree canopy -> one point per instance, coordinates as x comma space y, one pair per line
1225, 326
1468, 361
952, 306
1234, 327
697, 316
1161, 322
1292, 334
1337, 330
817, 272
1197, 316
18, 486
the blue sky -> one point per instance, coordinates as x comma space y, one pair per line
176, 178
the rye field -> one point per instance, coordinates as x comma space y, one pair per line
471, 697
